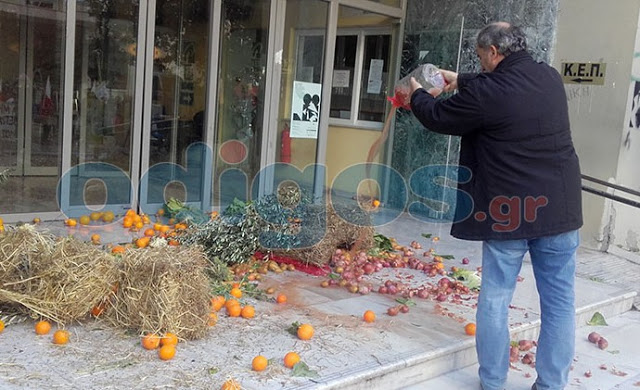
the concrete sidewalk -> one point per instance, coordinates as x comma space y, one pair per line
423, 349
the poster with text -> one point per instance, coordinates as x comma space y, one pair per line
305, 109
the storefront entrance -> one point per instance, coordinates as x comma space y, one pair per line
112, 104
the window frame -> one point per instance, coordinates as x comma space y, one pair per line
361, 33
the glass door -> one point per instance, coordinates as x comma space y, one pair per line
173, 153
32, 40
244, 39
106, 91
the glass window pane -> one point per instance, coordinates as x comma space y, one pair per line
375, 76
301, 82
343, 70
244, 34
178, 98
104, 91
32, 37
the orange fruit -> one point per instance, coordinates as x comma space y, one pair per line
149, 232
213, 319
305, 332
60, 337
139, 225
42, 327
97, 310
290, 359
145, 219
164, 228
234, 310
130, 213
157, 226
167, 352
248, 312
281, 298
231, 384
169, 339
375, 203
127, 222
231, 302
36, 221
173, 243
1, 326
136, 218
369, 316
217, 302
236, 292
95, 216
150, 341
118, 249
259, 363
160, 212
95, 238
470, 329
142, 242
85, 220
71, 222
108, 216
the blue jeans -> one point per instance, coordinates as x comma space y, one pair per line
554, 262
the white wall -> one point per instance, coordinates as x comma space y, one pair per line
600, 31
626, 232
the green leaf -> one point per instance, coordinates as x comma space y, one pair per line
597, 320
383, 242
426, 235
301, 369
213, 370
405, 301
293, 329
445, 257
469, 278
334, 276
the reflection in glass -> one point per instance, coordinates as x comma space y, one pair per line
103, 95
375, 77
178, 96
243, 46
303, 59
343, 69
31, 95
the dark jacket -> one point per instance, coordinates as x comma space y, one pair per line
516, 141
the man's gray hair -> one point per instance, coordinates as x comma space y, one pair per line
506, 38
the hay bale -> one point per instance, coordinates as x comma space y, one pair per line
337, 233
163, 289
58, 279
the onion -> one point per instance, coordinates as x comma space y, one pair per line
369, 268
382, 290
444, 282
441, 298
353, 289
389, 283
392, 289
420, 266
392, 311
404, 308
423, 294
364, 290
347, 275
465, 261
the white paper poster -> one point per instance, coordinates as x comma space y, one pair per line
305, 109
341, 79
374, 84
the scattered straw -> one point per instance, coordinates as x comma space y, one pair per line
163, 290
61, 279
332, 231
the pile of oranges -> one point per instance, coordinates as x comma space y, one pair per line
60, 336
166, 344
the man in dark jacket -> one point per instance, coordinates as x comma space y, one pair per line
526, 193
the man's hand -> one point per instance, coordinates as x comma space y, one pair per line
451, 78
